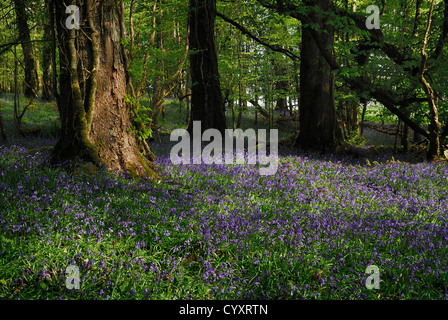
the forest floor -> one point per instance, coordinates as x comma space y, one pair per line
224, 232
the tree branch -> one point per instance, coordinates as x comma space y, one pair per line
387, 99
360, 85
273, 47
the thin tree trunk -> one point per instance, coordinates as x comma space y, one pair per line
37, 61
396, 135
48, 54
17, 118
188, 97
405, 138
2, 124
434, 126
31, 79
159, 91
418, 12
364, 108
256, 110
232, 107
281, 86
240, 82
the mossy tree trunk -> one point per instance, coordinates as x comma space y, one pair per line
96, 125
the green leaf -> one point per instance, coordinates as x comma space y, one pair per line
43, 285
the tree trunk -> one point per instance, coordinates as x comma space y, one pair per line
96, 125
281, 86
31, 80
37, 61
364, 109
348, 116
207, 104
434, 125
2, 124
405, 138
242, 108
17, 118
353, 116
188, 97
256, 111
241, 86
317, 111
48, 54
159, 91
396, 135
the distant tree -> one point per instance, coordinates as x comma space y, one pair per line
207, 104
2, 125
317, 110
49, 75
434, 124
31, 77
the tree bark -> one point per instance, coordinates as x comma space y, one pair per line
207, 104
96, 124
48, 62
444, 34
418, 12
2, 125
317, 110
159, 91
31, 79
281, 86
434, 125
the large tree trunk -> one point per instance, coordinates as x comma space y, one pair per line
207, 103
31, 79
317, 111
95, 119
